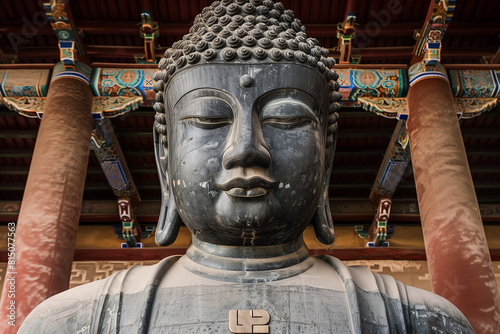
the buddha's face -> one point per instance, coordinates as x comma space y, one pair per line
246, 150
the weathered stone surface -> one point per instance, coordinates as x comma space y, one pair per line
176, 300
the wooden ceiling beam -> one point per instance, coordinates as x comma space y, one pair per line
405, 29
315, 30
18, 28
129, 28
372, 53
405, 52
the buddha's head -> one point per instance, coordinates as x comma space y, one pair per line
245, 128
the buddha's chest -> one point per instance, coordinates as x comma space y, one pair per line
291, 309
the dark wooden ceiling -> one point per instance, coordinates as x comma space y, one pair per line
110, 34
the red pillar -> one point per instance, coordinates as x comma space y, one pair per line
457, 252
50, 210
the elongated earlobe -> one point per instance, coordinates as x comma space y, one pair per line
169, 220
323, 222
322, 219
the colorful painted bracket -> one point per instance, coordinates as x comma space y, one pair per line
128, 82
103, 107
363, 231
57, 12
110, 156
374, 83
378, 232
389, 85
24, 82
428, 46
469, 108
346, 33
390, 174
396, 108
393, 166
26, 106
146, 231
149, 32
108, 107
475, 83
113, 163
131, 230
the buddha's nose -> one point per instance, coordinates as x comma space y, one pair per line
247, 148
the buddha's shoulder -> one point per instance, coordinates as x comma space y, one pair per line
419, 310
76, 310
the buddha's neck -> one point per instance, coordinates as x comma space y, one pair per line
248, 264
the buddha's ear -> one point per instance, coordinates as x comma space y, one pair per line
169, 220
322, 219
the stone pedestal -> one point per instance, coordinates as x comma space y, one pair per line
50, 210
457, 252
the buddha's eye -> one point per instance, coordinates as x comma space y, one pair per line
287, 122
208, 122
287, 114
207, 113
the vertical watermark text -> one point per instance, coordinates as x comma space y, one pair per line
10, 276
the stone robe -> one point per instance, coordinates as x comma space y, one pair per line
178, 295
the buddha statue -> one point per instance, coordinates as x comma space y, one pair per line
245, 128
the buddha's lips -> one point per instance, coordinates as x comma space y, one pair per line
247, 184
